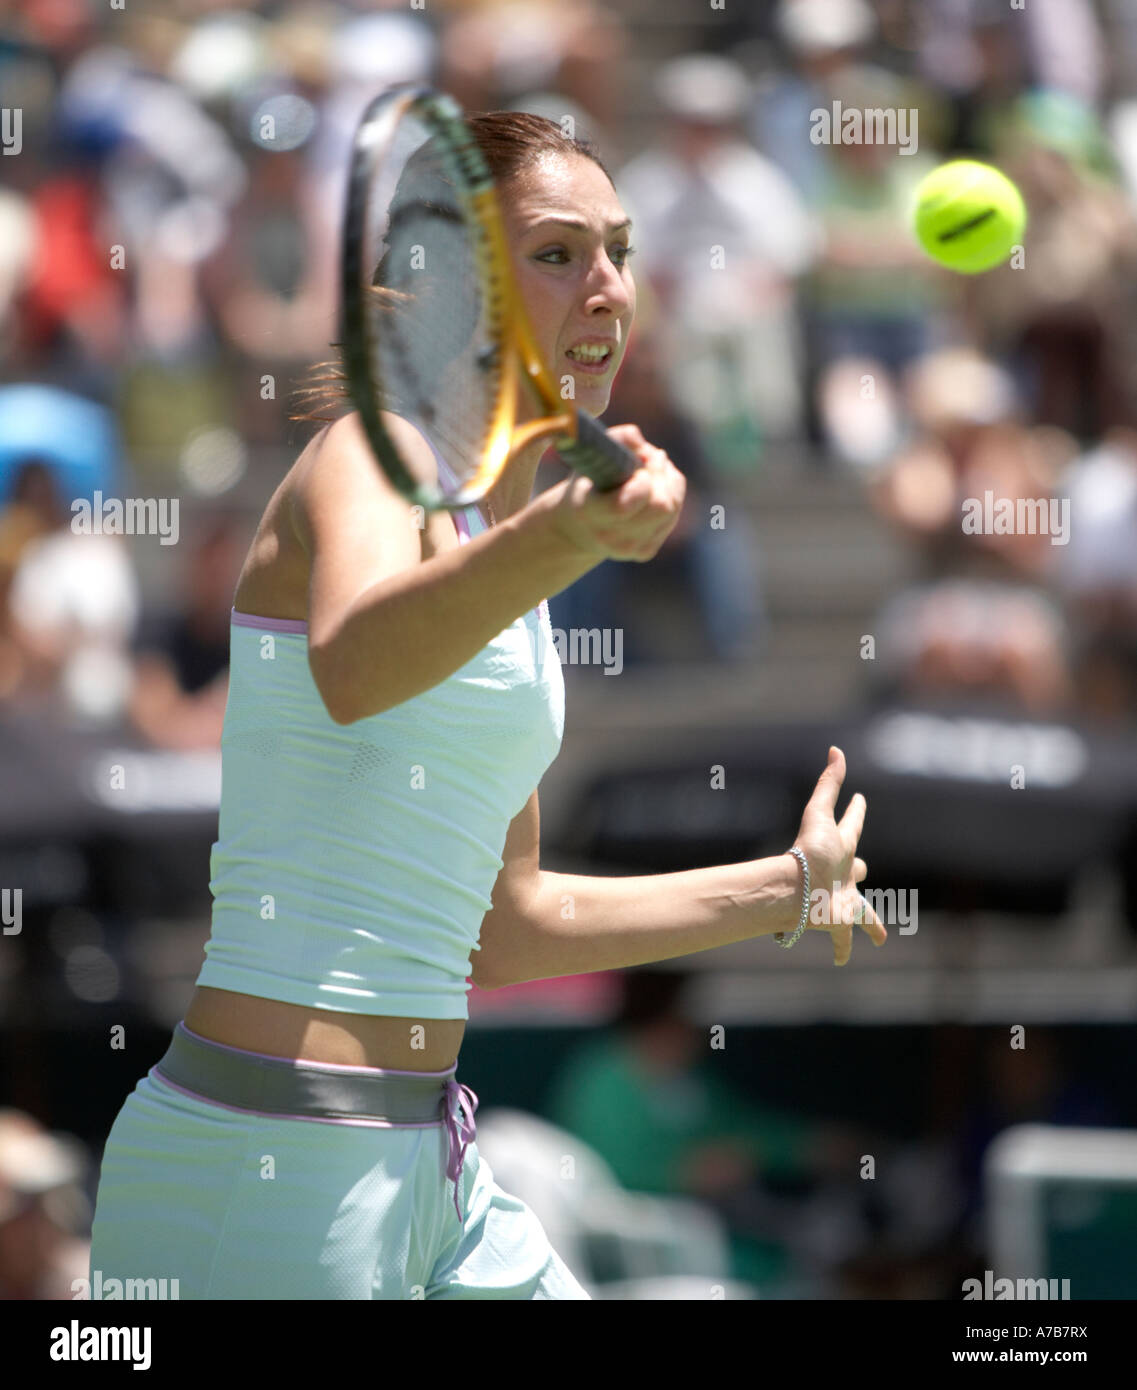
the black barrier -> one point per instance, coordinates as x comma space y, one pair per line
973, 809
91, 817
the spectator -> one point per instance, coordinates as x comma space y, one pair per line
823, 41
32, 510
72, 599
969, 640
44, 1213
875, 303
724, 237
74, 602
719, 567
975, 53
181, 679
666, 1122
499, 51
988, 624
17, 249
1063, 318
1098, 576
73, 305
968, 436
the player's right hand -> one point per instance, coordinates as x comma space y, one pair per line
632, 521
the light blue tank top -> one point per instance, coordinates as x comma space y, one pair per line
354, 863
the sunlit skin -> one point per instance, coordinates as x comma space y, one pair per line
569, 240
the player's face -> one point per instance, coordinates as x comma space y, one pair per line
569, 238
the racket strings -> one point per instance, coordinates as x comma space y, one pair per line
435, 355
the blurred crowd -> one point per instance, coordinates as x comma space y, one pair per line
45, 1211
173, 177
171, 181
827, 1209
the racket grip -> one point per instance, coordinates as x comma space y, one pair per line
597, 455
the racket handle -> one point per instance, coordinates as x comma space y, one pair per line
597, 455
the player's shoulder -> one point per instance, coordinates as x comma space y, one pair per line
338, 486
345, 446
344, 439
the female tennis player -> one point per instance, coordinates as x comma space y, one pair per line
395, 697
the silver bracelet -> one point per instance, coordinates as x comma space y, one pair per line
779, 936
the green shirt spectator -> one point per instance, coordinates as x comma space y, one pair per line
646, 1127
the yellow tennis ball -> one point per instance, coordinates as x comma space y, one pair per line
968, 216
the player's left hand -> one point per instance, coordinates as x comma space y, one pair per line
834, 870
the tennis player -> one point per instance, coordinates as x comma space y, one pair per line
395, 697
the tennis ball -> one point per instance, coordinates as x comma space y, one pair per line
968, 216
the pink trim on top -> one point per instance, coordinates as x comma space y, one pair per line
324, 1066
268, 624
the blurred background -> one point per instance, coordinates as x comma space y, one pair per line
746, 1118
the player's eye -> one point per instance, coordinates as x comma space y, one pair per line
622, 253
553, 251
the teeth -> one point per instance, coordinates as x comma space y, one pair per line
589, 353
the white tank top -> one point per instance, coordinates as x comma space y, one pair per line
354, 863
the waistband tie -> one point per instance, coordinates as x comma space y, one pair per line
462, 1131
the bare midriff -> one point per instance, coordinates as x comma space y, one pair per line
319, 1035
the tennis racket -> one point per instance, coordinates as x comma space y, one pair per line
433, 329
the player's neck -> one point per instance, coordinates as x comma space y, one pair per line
514, 489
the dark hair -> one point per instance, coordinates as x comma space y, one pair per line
510, 141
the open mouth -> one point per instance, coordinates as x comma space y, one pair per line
590, 357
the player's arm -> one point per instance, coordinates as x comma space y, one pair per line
544, 925
384, 625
